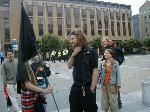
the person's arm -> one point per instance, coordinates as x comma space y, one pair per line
34, 88
94, 79
3, 74
70, 62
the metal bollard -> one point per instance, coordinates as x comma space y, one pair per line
146, 92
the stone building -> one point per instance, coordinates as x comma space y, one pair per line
63, 16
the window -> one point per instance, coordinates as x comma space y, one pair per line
40, 10
84, 26
30, 10
118, 16
6, 3
106, 32
68, 17
59, 26
59, 11
92, 27
118, 28
68, 31
129, 28
6, 15
99, 20
91, 14
123, 17
83, 13
40, 24
112, 15
106, 19
31, 20
112, 28
99, 32
129, 16
50, 25
77, 17
7, 31
50, 11
124, 29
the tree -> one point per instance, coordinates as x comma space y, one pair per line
95, 43
48, 43
146, 43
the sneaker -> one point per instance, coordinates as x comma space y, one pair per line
8, 109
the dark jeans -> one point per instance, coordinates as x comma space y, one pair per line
80, 103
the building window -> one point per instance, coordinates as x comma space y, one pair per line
124, 29
129, 16
50, 25
106, 19
50, 11
40, 10
112, 15
6, 3
6, 15
106, 32
118, 16
59, 11
77, 17
68, 31
129, 28
92, 27
68, 17
59, 26
123, 16
30, 10
145, 17
7, 31
84, 26
118, 28
40, 24
84, 13
112, 28
99, 20
91, 14
99, 32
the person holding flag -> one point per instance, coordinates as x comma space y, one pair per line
26, 81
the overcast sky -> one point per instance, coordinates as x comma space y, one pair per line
135, 4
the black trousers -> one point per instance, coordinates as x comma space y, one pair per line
80, 103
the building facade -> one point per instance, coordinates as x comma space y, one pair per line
145, 20
136, 26
63, 16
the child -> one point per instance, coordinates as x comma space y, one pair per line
110, 81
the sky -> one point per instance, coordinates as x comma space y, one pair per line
135, 4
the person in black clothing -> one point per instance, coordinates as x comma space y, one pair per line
107, 43
84, 61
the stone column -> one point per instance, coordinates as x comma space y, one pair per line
109, 24
35, 19
126, 22
115, 25
64, 22
55, 25
95, 23
121, 25
103, 24
45, 19
88, 23
15, 19
81, 22
72, 19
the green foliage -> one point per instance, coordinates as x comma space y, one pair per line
95, 43
146, 43
48, 43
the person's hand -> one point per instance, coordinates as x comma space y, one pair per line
76, 50
49, 89
92, 88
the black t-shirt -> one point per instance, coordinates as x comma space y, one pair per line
84, 64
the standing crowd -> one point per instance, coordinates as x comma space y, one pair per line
87, 72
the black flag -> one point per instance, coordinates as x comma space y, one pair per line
27, 47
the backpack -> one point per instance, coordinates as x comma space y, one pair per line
119, 55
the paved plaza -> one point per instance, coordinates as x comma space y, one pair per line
134, 70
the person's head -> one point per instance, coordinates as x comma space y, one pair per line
109, 53
37, 58
10, 55
78, 39
105, 41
